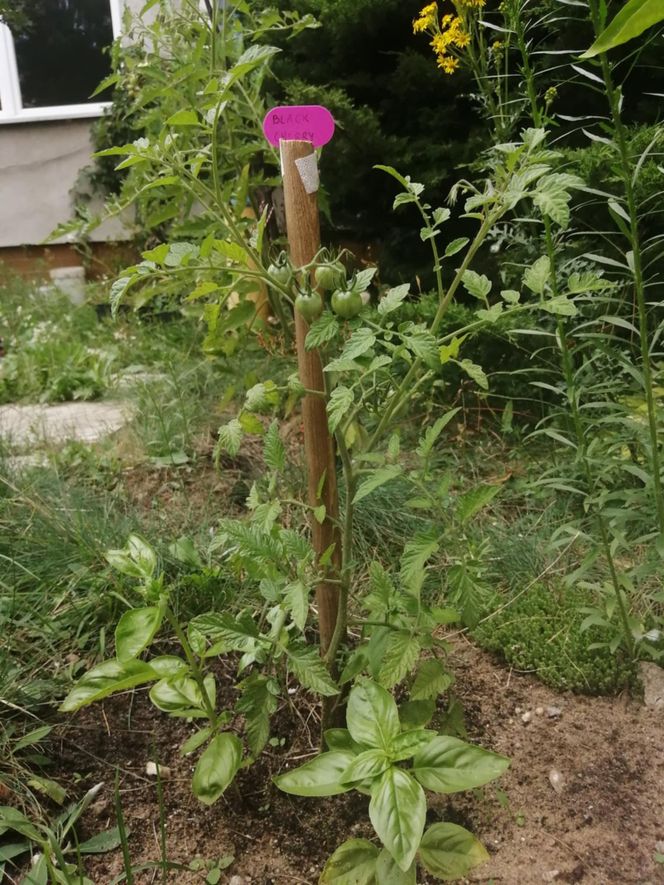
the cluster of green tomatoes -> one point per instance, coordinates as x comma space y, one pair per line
329, 275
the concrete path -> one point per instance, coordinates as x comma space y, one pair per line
27, 426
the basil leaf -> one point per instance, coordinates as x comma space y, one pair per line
398, 810
448, 765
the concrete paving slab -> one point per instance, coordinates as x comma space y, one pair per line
30, 425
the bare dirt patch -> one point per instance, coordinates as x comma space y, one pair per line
603, 825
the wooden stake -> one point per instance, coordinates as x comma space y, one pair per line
303, 228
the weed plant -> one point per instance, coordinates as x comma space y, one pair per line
603, 419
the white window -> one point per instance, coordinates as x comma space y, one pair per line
50, 68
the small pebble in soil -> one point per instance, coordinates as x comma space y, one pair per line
556, 780
659, 847
550, 875
151, 769
539, 711
236, 880
526, 717
553, 712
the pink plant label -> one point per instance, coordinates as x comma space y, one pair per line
308, 122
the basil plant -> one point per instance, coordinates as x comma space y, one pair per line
394, 763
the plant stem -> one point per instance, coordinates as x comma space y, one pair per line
445, 298
122, 831
196, 672
350, 481
561, 331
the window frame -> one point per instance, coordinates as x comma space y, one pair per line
12, 110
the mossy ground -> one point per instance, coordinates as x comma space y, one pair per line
538, 630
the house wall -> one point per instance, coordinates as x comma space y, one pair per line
39, 167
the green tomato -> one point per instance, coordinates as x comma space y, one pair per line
346, 304
329, 276
280, 273
310, 307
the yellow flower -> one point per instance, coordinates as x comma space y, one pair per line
440, 43
449, 32
461, 39
456, 27
477, 4
448, 64
427, 17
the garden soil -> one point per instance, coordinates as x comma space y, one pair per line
599, 825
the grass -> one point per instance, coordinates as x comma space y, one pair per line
59, 601
156, 477
55, 602
53, 352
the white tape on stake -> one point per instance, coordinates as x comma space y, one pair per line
308, 169
281, 160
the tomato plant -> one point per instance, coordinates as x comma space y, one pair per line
376, 367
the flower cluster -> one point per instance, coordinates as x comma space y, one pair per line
448, 34
426, 19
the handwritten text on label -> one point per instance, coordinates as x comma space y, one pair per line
311, 122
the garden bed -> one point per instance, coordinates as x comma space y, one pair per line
602, 827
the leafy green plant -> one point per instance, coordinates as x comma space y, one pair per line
607, 326
200, 170
634, 18
185, 686
56, 854
362, 346
379, 365
371, 756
